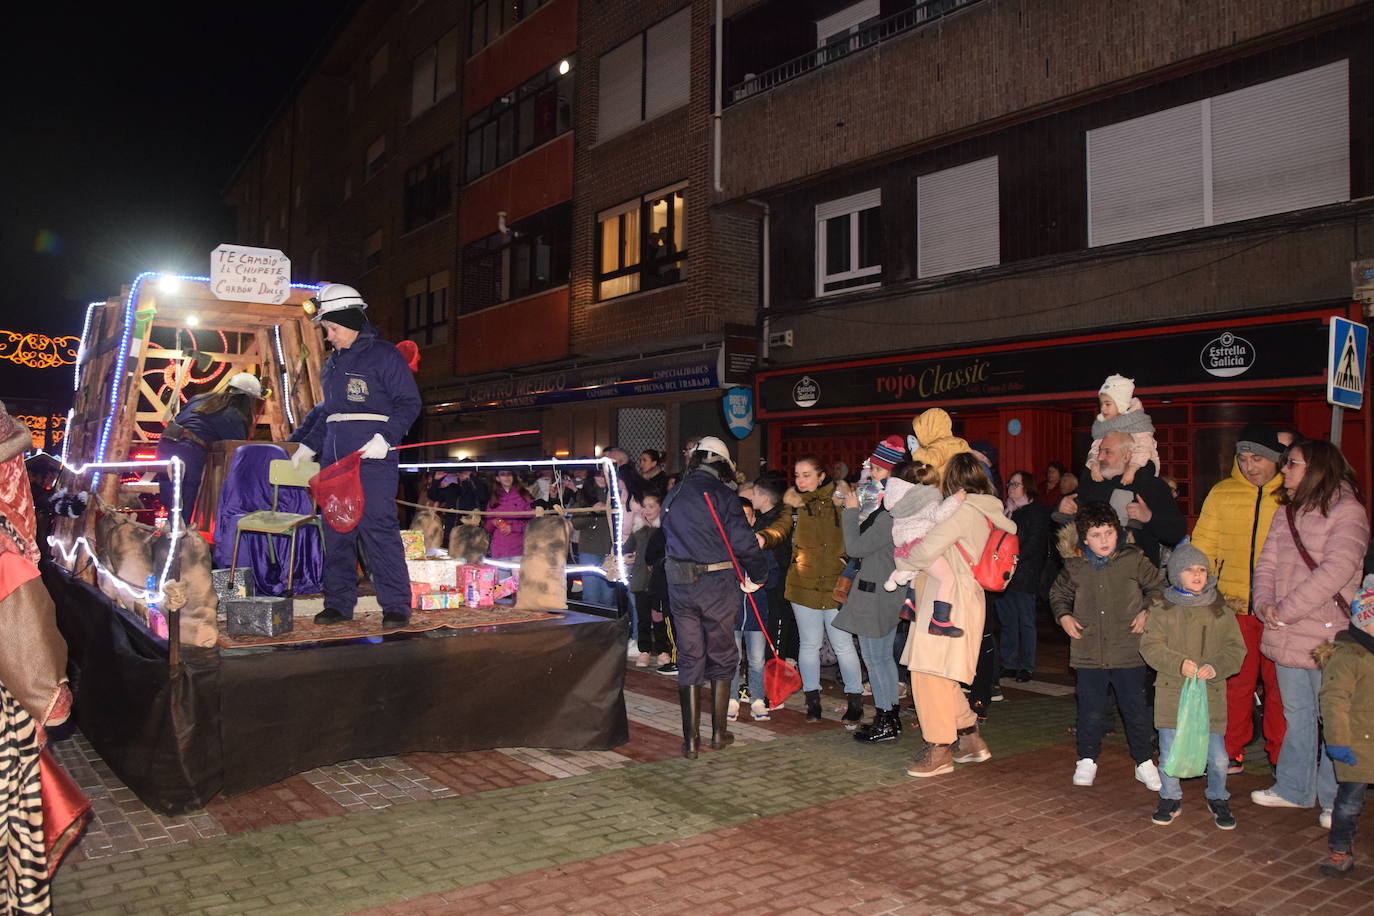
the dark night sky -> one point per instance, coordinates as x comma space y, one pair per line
120, 130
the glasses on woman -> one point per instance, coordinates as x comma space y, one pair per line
1015, 483
1294, 463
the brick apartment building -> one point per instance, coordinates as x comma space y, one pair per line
983, 204
990, 205
429, 156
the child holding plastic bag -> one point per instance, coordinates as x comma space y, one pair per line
1347, 703
1194, 635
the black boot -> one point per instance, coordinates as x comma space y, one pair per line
894, 718
939, 621
691, 721
855, 713
720, 726
813, 706
884, 727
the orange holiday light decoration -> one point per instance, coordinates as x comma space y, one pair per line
38, 351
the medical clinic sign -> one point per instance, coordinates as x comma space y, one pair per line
250, 274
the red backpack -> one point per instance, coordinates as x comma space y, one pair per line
996, 566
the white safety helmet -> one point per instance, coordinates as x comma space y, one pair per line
331, 298
245, 383
714, 446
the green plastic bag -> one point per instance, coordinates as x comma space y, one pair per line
1188, 755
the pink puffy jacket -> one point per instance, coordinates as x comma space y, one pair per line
1306, 608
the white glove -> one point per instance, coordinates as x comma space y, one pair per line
301, 456
748, 585
376, 447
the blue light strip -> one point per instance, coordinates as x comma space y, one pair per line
129, 303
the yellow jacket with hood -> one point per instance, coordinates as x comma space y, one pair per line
935, 439
1231, 530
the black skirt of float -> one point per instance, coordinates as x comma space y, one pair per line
234, 721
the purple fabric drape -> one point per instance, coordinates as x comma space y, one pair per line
247, 488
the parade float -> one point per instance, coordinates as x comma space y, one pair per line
181, 708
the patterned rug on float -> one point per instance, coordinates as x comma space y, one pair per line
370, 624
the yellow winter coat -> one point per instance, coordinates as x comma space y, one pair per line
936, 442
817, 544
1232, 527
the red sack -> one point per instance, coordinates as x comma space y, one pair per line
338, 491
996, 566
780, 680
65, 808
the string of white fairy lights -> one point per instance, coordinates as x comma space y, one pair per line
176, 529
609, 468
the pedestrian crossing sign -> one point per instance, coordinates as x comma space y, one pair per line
1347, 358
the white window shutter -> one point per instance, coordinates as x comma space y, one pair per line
1145, 176
422, 82
1282, 145
446, 80
619, 94
957, 219
667, 77
845, 20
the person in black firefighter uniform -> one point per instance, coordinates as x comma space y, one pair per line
703, 590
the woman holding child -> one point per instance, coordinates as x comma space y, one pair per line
1306, 575
940, 663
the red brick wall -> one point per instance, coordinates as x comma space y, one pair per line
721, 285
536, 181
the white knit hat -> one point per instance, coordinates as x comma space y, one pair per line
1120, 389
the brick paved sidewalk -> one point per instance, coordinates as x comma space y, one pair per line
797, 817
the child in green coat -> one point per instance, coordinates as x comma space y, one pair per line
1193, 635
1347, 703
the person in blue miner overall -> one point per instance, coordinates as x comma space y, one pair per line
370, 400
703, 590
229, 413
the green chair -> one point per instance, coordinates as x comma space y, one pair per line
282, 473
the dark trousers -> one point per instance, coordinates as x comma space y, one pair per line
1345, 816
989, 669
1094, 711
653, 635
782, 623
194, 457
704, 615
386, 559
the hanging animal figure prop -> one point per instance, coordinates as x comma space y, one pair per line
133, 552
543, 568
469, 541
431, 527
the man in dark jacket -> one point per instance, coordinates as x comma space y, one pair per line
703, 590
766, 496
1151, 513
462, 490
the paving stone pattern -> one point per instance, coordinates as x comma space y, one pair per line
795, 818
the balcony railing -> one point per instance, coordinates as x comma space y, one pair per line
879, 30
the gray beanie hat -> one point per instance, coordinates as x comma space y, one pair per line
1184, 556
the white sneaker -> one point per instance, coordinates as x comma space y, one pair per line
1271, 799
1085, 772
732, 710
759, 710
1148, 774
632, 648
1324, 819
